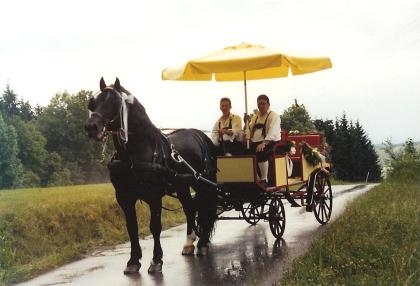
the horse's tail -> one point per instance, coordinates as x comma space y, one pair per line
206, 197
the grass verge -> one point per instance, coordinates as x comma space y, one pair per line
375, 242
41, 229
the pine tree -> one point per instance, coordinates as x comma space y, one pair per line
352, 153
341, 149
369, 167
8, 102
327, 129
11, 170
11, 106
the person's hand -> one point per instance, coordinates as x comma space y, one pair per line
225, 131
247, 118
260, 147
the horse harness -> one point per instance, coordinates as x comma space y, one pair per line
160, 161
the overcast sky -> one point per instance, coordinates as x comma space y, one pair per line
50, 46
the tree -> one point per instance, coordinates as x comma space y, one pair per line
62, 124
353, 155
8, 102
367, 161
32, 152
11, 106
297, 118
327, 128
341, 149
10, 166
403, 166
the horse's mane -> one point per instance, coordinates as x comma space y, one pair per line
147, 126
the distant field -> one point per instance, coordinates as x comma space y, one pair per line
41, 229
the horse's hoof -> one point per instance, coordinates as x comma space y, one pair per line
188, 250
202, 251
155, 267
132, 269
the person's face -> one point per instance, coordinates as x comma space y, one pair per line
225, 107
263, 106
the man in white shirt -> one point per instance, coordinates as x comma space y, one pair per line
227, 131
265, 132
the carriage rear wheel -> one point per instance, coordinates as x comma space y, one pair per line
277, 217
252, 212
322, 198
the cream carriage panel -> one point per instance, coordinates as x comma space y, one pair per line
236, 169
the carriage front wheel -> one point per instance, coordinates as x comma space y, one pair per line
277, 217
322, 193
252, 212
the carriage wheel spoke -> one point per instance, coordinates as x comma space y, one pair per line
324, 210
328, 207
323, 185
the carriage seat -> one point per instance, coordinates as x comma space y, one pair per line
294, 161
313, 139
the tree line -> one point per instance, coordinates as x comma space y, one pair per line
352, 154
47, 146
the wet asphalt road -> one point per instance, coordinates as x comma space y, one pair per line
239, 254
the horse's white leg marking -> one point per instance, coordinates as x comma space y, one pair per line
191, 238
189, 244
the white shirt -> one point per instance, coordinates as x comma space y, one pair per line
272, 127
224, 123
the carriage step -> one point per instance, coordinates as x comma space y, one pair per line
289, 198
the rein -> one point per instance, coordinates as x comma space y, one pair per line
122, 134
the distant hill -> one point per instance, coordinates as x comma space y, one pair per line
379, 148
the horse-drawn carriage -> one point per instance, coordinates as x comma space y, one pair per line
142, 169
301, 184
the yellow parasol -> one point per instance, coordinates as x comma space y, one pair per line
245, 62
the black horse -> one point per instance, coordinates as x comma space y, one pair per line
142, 168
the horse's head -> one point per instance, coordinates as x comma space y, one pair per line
105, 108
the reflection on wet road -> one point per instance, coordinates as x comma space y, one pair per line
239, 254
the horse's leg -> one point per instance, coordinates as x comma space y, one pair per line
123, 183
129, 208
155, 205
206, 205
187, 203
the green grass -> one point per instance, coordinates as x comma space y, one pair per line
341, 182
41, 229
375, 242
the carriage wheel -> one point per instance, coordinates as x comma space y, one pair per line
277, 217
322, 198
252, 212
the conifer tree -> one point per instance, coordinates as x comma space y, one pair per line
352, 153
10, 166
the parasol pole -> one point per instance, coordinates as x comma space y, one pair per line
246, 127
246, 95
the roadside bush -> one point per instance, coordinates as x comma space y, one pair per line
404, 165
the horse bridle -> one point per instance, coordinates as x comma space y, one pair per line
122, 132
